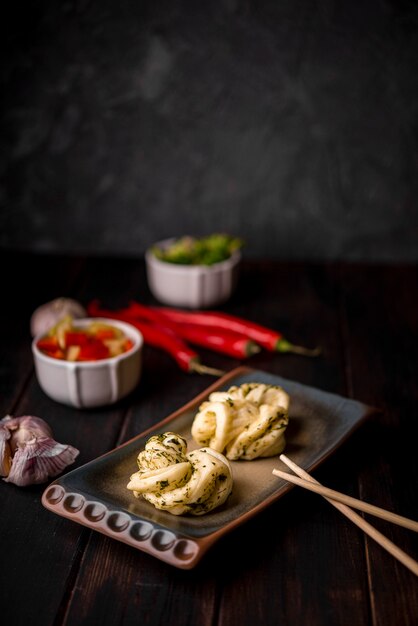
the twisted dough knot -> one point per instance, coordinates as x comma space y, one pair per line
178, 482
161, 451
244, 422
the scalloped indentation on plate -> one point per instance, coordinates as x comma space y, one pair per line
74, 502
118, 522
55, 494
141, 531
177, 550
163, 540
185, 550
94, 512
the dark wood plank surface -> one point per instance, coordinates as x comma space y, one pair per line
298, 562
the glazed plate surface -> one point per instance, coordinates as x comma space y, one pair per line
95, 495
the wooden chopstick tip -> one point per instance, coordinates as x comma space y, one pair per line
349, 501
342, 503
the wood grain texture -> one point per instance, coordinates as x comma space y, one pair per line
298, 562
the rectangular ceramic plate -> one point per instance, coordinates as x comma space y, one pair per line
96, 496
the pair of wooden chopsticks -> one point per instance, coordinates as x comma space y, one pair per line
343, 503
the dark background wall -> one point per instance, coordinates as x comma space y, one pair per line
290, 123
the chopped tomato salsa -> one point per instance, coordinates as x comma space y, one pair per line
76, 338
96, 341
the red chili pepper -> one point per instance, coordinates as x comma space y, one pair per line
219, 340
137, 310
268, 338
159, 337
231, 344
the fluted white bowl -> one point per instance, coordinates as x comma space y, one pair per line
86, 384
191, 286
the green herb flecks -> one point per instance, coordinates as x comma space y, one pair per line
208, 250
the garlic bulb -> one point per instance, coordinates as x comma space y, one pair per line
28, 453
181, 483
244, 422
50, 313
5, 450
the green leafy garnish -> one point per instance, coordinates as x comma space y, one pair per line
199, 251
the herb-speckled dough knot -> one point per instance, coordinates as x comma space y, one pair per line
245, 422
181, 483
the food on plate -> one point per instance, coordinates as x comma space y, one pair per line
189, 250
28, 453
50, 313
179, 482
245, 422
97, 340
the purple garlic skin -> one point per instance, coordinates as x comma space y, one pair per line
49, 314
28, 453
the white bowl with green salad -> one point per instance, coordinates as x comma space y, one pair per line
194, 272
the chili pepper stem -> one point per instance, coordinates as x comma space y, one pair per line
282, 345
195, 366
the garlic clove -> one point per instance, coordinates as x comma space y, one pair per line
38, 460
25, 428
5, 451
50, 313
28, 452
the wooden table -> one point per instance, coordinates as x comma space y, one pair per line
299, 562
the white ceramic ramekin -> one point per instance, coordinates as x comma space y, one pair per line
86, 384
191, 286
